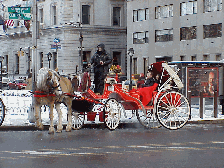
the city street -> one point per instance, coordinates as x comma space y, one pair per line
132, 146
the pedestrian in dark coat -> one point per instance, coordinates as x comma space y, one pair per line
100, 60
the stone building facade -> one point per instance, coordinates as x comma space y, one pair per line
98, 21
174, 30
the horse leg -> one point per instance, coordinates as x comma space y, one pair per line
59, 126
69, 124
51, 128
38, 117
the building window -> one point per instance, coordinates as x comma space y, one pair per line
141, 37
135, 65
41, 16
212, 5
86, 58
188, 8
116, 16
213, 30
182, 58
54, 15
205, 57
164, 11
218, 57
188, 33
164, 35
41, 60
140, 15
17, 64
193, 58
85, 14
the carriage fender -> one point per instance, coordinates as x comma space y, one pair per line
115, 96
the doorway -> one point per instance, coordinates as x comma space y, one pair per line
117, 58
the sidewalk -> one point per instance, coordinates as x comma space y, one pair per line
21, 121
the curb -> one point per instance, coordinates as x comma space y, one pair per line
204, 121
100, 125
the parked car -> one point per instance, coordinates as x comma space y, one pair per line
5, 82
17, 84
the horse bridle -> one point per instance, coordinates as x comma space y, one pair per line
50, 82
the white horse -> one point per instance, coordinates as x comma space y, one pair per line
53, 89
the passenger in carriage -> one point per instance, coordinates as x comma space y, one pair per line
150, 85
149, 81
100, 60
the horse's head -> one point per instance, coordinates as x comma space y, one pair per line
53, 81
47, 80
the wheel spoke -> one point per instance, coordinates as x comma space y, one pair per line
112, 113
78, 120
149, 120
167, 100
177, 114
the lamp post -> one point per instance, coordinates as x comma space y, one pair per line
130, 54
28, 55
1, 59
49, 56
80, 40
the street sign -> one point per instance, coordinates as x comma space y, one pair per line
19, 10
25, 16
55, 46
22, 13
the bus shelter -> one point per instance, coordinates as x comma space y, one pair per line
204, 77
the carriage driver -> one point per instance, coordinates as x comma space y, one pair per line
100, 60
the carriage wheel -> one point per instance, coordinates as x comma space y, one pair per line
112, 113
77, 120
173, 110
149, 120
2, 112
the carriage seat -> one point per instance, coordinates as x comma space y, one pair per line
125, 85
111, 81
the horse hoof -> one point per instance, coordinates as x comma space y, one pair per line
40, 127
68, 129
51, 131
58, 131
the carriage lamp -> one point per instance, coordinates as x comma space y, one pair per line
130, 54
1, 59
49, 56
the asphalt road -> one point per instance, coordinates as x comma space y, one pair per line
191, 146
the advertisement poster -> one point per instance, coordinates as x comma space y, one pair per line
202, 79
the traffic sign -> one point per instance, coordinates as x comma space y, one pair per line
56, 41
19, 10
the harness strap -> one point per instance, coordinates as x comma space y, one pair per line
42, 94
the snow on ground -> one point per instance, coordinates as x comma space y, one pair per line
18, 102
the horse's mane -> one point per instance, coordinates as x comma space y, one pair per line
42, 80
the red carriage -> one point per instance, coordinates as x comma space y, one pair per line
168, 107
